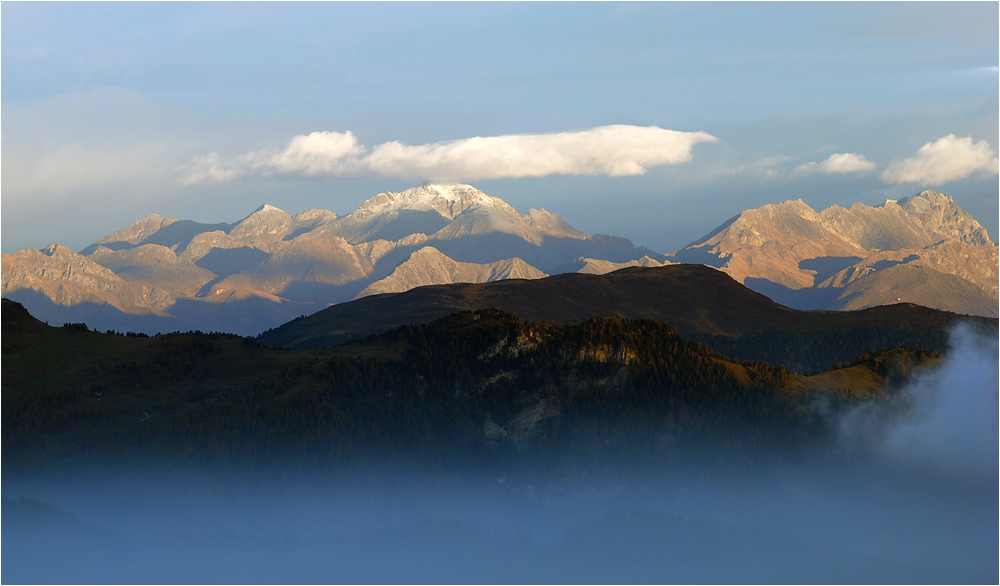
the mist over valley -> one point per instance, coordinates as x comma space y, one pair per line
484, 448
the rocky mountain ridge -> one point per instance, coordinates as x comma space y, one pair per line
167, 274
922, 249
179, 270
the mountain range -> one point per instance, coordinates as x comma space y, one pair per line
922, 249
167, 274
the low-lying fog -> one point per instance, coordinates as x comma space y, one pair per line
908, 492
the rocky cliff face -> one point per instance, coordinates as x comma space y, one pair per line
69, 278
841, 258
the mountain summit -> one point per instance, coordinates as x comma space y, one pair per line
445, 212
447, 200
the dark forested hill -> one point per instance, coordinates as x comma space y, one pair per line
700, 302
474, 383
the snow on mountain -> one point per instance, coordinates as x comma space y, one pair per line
447, 212
447, 200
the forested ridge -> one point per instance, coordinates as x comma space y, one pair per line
474, 384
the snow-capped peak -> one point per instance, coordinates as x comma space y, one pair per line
449, 200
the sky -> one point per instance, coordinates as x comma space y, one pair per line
652, 121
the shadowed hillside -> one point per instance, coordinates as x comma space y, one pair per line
702, 303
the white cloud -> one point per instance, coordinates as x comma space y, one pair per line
839, 163
318, 153
944, 418
949, 158
606, 150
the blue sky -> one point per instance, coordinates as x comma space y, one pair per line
111, 112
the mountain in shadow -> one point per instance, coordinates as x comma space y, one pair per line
702, 303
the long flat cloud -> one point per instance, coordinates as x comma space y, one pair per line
839, 163
617, 150
948, 158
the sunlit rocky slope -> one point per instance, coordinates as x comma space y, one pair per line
922, 249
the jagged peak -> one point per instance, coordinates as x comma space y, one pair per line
939, 214
795, 203
926, 200
788, 204
930, 194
